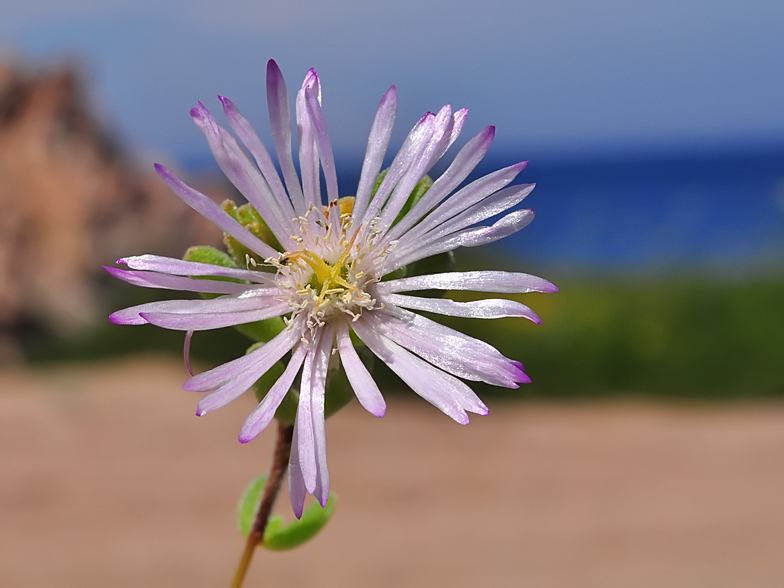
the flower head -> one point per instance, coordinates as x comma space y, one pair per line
326, 279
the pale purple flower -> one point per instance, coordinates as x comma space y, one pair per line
328, 281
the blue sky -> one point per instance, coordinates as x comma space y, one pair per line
554, 76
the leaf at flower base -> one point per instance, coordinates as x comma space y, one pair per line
208, 254
249, 218
278, 537
249, 504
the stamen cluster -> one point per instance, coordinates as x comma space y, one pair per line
331, 276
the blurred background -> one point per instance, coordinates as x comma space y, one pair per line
655, 134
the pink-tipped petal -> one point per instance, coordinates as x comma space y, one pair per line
214, 213
429, 382
280, 124
179, 267
313, 101
262, 415
377, 144
464, 163
168, 282
296, 481
478, 281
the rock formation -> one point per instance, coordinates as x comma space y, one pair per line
70, 201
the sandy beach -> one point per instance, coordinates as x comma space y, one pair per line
108, 479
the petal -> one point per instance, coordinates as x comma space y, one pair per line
508, 225
276, 348
262, 415
415, 143
239, 169
423, 161
495, 204
225, 304
435, 386
204, 321
186, 351
171, 265
280, 125
306, 443
359, 377
479, 281
462, 356
211, 211
296, 481
248, 135
318, 383
466, 197
486, 309
167, 282
308, 149
378, 141
313, 100
244, 374
464, 163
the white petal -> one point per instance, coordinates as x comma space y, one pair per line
479, 281
486, 309
262, 415
269, 353
464, 163
308, 151
171, 265
378, 141
359, 377
445, 392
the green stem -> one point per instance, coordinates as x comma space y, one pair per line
280, 462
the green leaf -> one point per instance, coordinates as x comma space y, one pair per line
208, 254
249, 218
249, 504
278, 537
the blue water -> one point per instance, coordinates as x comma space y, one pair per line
722, 210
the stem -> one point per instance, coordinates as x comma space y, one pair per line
280, 462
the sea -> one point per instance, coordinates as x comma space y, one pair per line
713, 210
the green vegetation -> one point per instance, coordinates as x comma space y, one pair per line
697, 338
700, 338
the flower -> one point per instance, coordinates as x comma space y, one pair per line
328, 281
